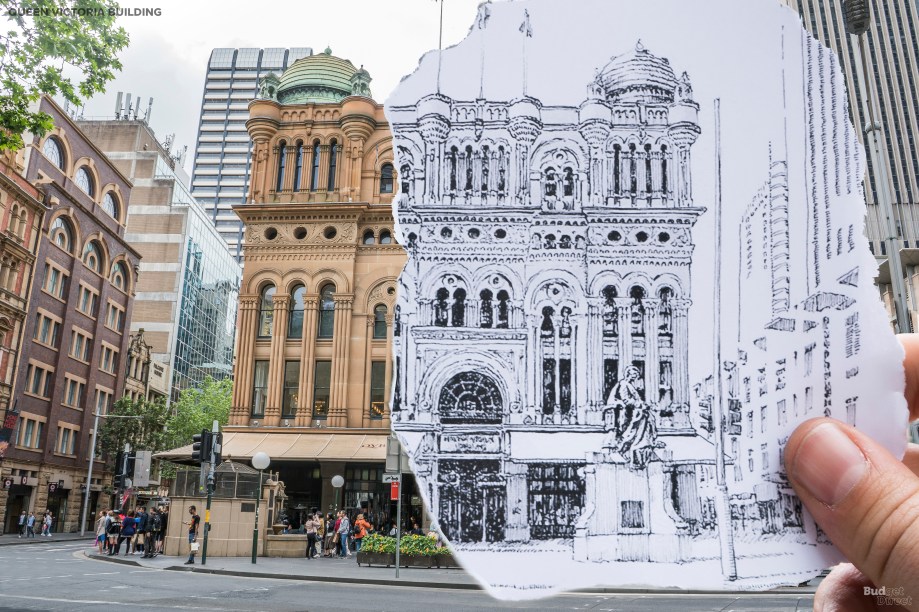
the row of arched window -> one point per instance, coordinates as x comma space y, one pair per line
53, 149
326, 319
370, 238
93, 256
386, 170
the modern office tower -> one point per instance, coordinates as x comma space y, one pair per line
186, 300
893, 63
222, 153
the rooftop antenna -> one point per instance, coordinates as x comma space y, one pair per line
136, 106
149, 109
127, 107
118, 100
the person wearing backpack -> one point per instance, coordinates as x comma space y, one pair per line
361, 529
154, 524
128, 529
114, 528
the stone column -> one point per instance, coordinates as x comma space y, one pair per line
388, 378
652, 351
281, 305
580, 365
290, 168
245, 364
323, 184
341, 342
272, 173
680, 351
625, 334
533, 400
594, 348
368, 368
307, 360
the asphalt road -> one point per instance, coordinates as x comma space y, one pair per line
58, 577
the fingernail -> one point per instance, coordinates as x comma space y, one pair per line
829, 464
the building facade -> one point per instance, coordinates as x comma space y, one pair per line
78, 327
545, 308
321, 265
22, 213
223, 149
188, 288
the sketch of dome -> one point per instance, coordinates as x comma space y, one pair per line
638, 76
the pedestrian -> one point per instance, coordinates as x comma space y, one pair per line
329, 535
48, 522
362, 528
128, 529
114, 529
140, 535
22, 523
164, 521
154, 524
312, 529
192, 523
416, 530
30, 526
344, 530
101, 529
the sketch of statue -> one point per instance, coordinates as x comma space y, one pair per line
633, 430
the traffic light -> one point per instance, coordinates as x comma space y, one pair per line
119, 481
201, 447
217, 447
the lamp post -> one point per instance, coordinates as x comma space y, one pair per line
92, 457
338, 482
260, 461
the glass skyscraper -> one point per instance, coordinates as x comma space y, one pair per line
222, 154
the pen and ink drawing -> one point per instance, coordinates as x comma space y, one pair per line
618, 305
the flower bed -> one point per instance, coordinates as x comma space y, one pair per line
414, 551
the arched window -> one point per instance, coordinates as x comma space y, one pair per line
298, 168
441, 309
295, 321
282, 162
84, 181
314, 173
649, 184
110, 205
664, 186
62, 233
459, 308
503, 309
637, 316
485, 158
369, 237
53, 150
404, 173
610, 316
333, 163
633, 170
502, 171
617, 168
486, 316
92, 256
547, 327
551, 180
665, 310
119, 275
327, 311
386, 178
468, 186
385, 237
17, 220
379, 322
266, 311
568, 182
453, 155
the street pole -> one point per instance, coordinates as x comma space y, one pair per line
210, 492
260, 461
89, 475
399, 508
872, 133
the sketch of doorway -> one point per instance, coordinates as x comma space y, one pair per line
472, 500
470, 398
556, 499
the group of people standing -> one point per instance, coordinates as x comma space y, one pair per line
27, 524
141, 530
334, 534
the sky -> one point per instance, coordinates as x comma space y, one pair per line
167, 57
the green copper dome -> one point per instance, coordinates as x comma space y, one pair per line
320, 78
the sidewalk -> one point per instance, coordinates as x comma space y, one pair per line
12, 539
347, 571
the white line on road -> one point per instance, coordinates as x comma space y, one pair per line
158, 606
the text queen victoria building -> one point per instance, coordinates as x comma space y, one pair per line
544, 315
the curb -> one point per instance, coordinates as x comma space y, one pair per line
800, 591
51, 540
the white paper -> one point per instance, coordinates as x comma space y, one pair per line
557, 331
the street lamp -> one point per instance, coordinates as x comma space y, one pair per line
338, 482
92, 457
260, 461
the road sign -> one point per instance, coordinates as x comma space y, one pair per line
52, 487
392, 478
394, 491
7, 483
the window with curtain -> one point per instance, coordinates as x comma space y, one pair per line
260, 388
379, 322
266, 312
295, 323
326, 311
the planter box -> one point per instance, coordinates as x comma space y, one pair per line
446, 561
413, 561
372, 558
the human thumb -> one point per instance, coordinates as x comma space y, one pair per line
864, 499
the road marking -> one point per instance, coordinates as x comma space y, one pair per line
157, 606
102, 574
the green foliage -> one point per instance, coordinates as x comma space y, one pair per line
146, 431
48, 52
410, 545
197, 409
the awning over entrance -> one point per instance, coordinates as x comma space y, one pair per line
241, 446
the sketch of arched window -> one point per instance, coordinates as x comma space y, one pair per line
441, 309
564, 242
551, 182
458, 309
568, 181
547, 327
486, 158
649, 184
633, 170
610, 315
550, 241
468, 185
665, 186
665, 311
503, 309
486, 316
405, 171
564, 327
637, 311
617, 169
502, 171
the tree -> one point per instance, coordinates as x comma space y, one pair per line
47, 39
197, 409
145, 432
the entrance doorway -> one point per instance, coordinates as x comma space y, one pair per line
472, 500
556, 493
17, 501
